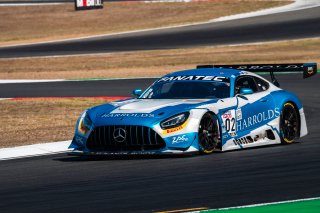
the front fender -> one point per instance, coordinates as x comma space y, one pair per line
186, 135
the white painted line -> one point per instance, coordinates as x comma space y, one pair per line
34, 150
29, 4
297, 5
265, 42
260, 204
168, 1
18, 81
28, 81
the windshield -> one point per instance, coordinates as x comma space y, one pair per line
187, 90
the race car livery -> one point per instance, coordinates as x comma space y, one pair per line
207, 109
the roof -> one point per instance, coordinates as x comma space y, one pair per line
207, 72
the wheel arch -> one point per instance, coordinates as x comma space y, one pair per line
297, 111
295, 107
218, 120
282, 97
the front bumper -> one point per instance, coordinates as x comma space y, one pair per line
178, 144
191, 150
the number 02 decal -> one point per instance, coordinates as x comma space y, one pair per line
230, 125
229, 122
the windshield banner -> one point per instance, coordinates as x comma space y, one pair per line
194, 78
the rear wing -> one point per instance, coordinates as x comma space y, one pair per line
308, 69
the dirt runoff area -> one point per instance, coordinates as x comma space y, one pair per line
41, 120
25, 24
158, 62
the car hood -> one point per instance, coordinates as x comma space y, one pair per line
146, 112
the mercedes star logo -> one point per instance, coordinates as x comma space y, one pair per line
119, 135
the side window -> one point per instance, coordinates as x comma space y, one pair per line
261, 84
245, 82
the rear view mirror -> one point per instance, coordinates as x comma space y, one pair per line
246, 91
137, 92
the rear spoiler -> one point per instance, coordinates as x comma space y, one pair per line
308, 69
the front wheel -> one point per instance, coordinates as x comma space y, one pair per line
289, 123
208, 134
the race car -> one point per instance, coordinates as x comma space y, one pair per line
210, 108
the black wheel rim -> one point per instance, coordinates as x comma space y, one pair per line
208, 137
289, 123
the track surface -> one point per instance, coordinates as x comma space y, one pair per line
73, 88
290, 25
61, 183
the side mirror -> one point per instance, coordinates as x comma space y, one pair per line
137, 92
246, 91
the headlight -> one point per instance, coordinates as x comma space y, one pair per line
174, 121
84, 124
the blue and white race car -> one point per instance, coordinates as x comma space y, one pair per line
211, 108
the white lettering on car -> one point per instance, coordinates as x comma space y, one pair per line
135, 115
179, 139
195, 78
258, 118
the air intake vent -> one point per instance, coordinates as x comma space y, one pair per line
124, 138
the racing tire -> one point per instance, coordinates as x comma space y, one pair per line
289, 123
208, 134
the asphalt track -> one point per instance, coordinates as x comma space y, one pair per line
74, 88
61, 183
289, 25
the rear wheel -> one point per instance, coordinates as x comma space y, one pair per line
208, 134
289, 123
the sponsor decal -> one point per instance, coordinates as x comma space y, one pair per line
260, 136
239, 114
243, 73
233, 134
264, 67
79, 140
167, 131
179, 139
243, 140
258, 118
175, 129
129, 115
195, 78
227, 115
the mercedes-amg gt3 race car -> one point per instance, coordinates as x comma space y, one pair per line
211, 108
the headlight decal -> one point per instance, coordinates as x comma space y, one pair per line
175, 129
84, 124
175, 121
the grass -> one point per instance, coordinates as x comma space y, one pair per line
40, 120
43, 23
305, 206
158, 62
